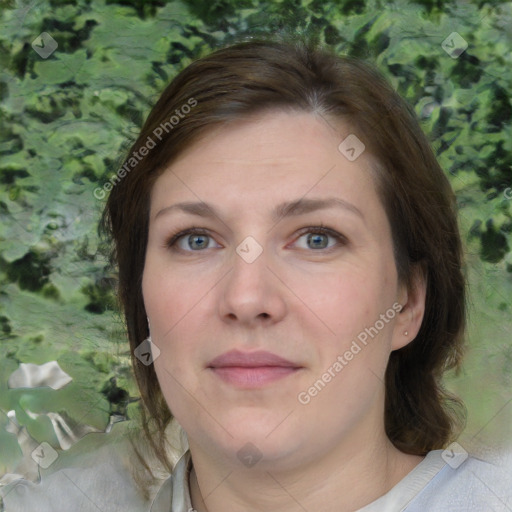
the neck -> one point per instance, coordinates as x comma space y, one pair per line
342, 480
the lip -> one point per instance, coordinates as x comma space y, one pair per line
250, 360
251, 369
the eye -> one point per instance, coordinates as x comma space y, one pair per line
313, 237
193, 239
317, 238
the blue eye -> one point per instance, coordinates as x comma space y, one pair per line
317, 241
196, 242
317, 238
191, 240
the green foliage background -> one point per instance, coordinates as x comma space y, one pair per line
67, 121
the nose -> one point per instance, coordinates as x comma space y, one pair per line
252, 294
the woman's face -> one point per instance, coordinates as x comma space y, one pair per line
292, 256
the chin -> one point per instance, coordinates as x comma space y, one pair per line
262, 435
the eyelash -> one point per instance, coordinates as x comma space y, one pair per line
321, 229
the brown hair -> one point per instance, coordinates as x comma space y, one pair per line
246, 78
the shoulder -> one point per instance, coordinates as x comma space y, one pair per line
97, 473
471, 484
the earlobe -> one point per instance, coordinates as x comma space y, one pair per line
409, 319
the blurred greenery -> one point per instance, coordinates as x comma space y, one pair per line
67, 121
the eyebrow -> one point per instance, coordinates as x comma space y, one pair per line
286, 209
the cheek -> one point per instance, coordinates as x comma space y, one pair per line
176, 305
346, 301
171, 303
169, 296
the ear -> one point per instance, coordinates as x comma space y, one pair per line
412, 300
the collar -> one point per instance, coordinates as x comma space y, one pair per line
174, 494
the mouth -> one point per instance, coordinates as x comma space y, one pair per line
251, 369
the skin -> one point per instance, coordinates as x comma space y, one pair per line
303, 303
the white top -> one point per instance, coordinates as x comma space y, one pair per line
106, 485
433, 485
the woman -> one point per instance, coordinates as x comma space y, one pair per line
290, 272
292, 243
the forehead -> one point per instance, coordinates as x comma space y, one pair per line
264, 158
